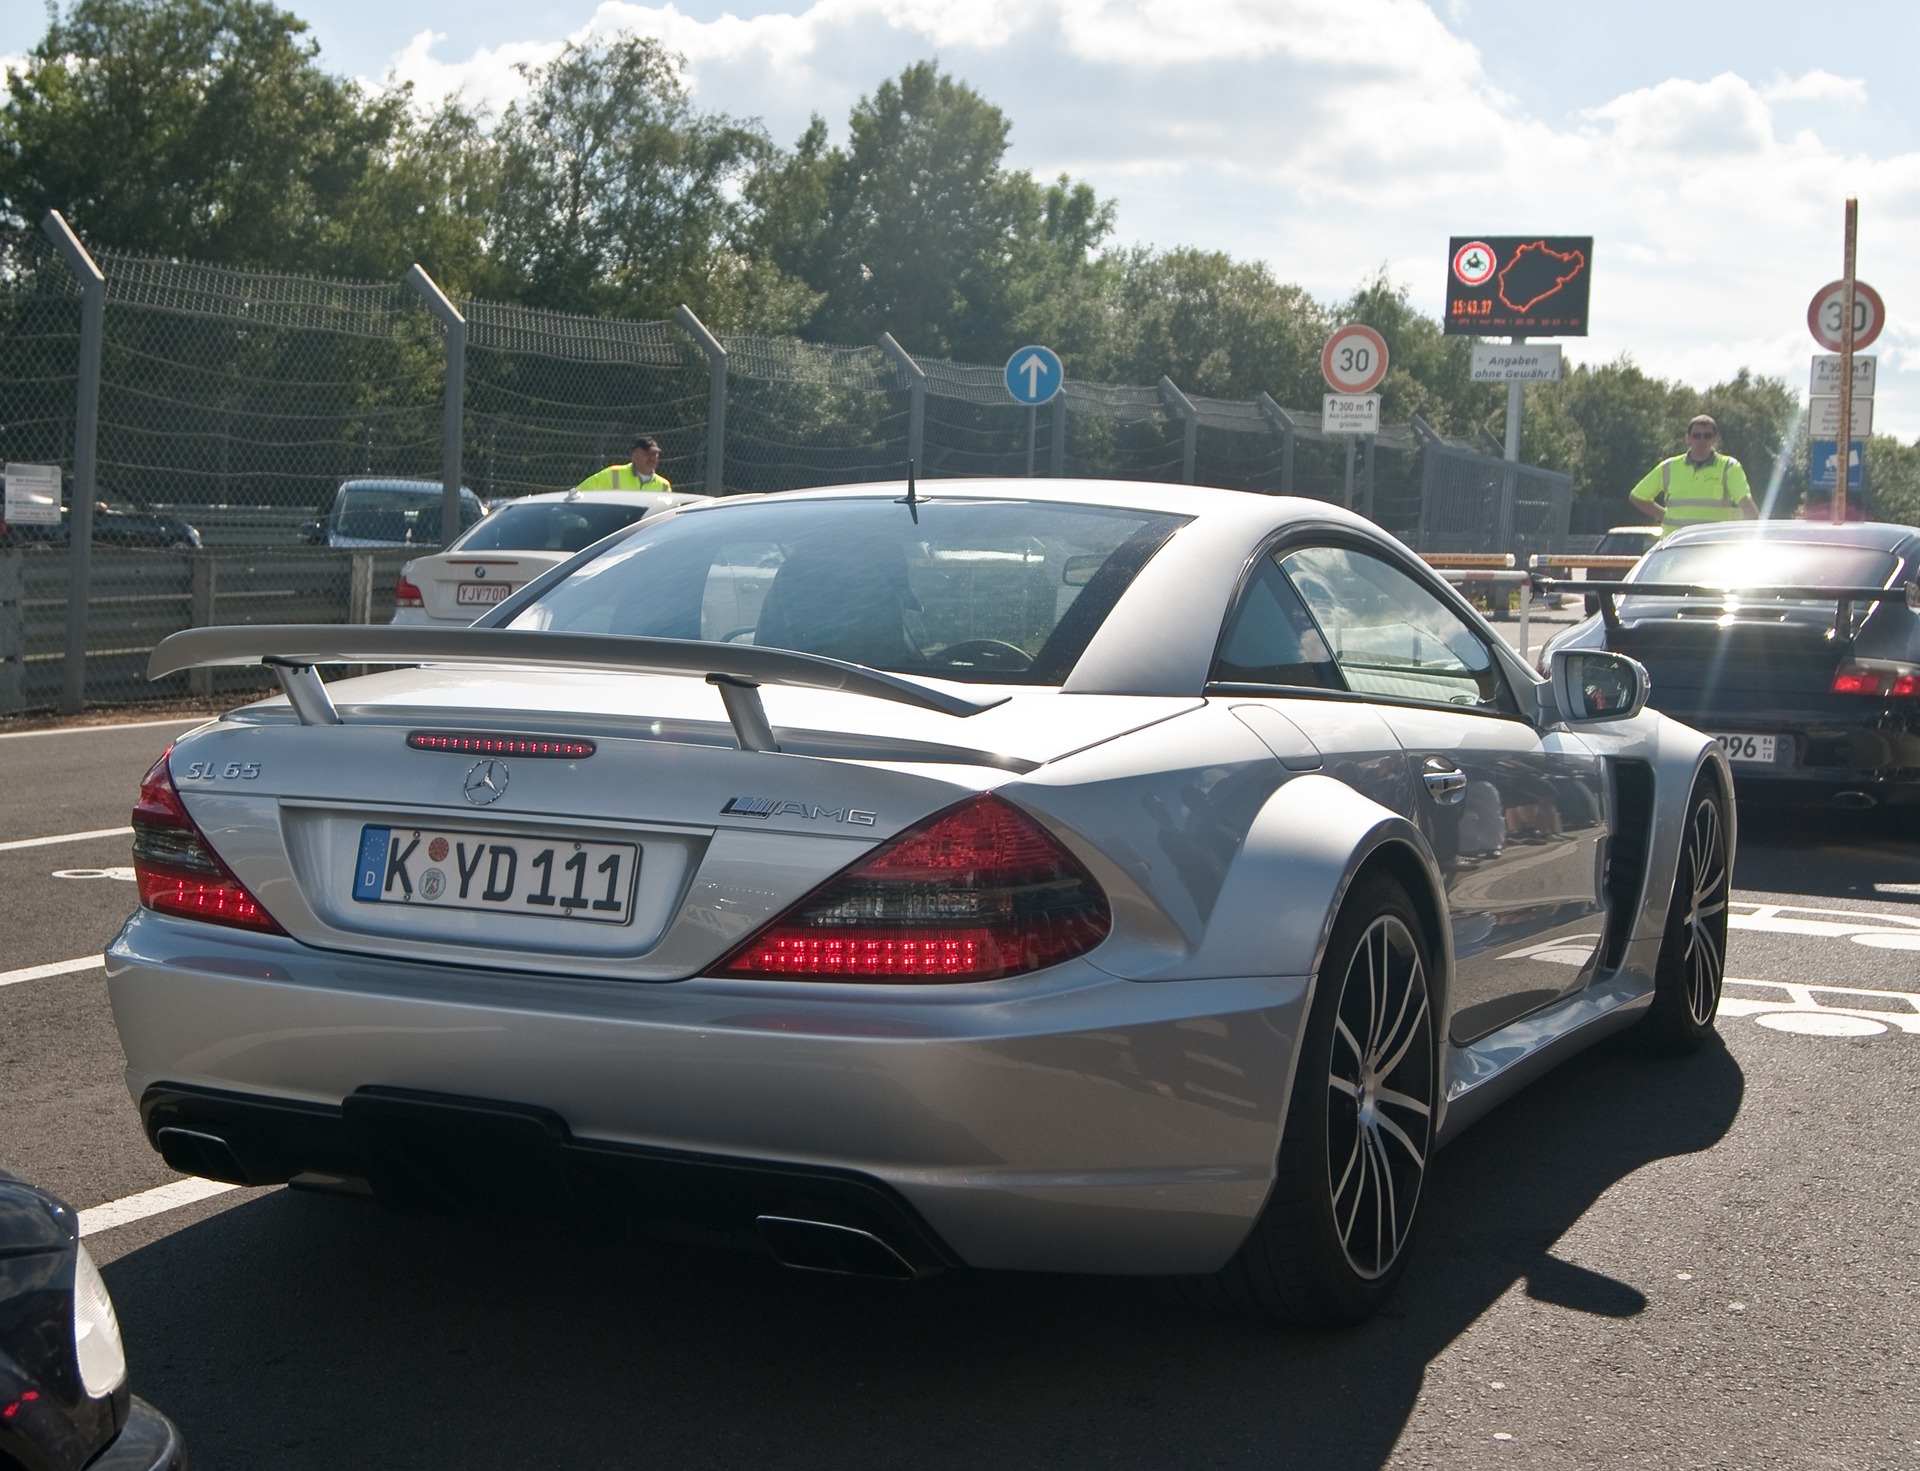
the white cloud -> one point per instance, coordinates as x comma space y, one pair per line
1816, 86
1328, 139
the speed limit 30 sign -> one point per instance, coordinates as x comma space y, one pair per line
1354, 360
1824, 315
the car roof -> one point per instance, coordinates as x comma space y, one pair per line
420, 487
1879, 536
602, 497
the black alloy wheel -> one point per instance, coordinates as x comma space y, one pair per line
1693, 952
1333, 1237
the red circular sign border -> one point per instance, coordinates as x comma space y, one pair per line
1493, 264
1861, 288
1353, 329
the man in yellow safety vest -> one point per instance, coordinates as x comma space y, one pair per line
1700, 486
643, 473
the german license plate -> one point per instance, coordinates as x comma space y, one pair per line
501, 873
1755, 748
482, 592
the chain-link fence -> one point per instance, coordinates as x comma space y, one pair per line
232, 405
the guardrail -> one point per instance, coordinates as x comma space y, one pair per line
139, 597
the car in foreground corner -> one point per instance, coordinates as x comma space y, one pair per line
1091, 878
1795, 643
64, 1401
519, 540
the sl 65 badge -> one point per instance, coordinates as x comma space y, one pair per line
222, 770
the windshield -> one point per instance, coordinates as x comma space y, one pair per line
390, 513
550, 526
983, 591
1738, 564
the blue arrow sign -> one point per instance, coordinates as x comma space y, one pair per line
1034, 375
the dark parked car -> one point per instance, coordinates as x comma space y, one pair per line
64, 1401
116, 523
387, 513
1796, 644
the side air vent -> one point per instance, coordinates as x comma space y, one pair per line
1627, 855
477, 743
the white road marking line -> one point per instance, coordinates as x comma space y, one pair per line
149, 1203
56, 968
21, 735
1863, 927
1800, 1010
59, 838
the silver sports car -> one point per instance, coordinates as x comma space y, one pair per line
1074, 877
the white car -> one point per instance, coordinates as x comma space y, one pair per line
515, 544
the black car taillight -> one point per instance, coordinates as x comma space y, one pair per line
176, 871
974, 893
1856, 679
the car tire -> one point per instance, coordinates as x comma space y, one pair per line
1333, 1237
1693, 950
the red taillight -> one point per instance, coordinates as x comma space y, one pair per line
406, 595
175, 870
1898, 683
975, 893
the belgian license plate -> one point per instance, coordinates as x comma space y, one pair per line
482, 592
1755, 748
501, 873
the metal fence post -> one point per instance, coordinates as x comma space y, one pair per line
452, 432
13, 632
360, 588
1190, 440
1057, 449
917, 400
1283, 422
86, 436
716, 395
206, 581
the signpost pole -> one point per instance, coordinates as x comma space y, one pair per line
1515, 405
1033, 422
1844, 463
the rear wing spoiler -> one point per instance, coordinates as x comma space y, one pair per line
737, 671
1843, 598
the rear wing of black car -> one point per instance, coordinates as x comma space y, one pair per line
737, 671
1843, 598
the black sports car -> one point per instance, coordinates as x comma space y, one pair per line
64, 1401
1796, 644
116, 524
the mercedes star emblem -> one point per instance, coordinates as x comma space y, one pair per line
487, 782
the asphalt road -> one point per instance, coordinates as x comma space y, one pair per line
1638, 1262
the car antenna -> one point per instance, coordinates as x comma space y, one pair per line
910, 500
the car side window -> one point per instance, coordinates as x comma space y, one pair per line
1392, 637
1271, 638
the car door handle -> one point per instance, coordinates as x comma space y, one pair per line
1446, 783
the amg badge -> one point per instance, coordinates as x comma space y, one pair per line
806, 811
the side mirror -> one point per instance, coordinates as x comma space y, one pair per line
312, 533
1592, 684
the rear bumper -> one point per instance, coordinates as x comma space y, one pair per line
1872, 760
1063, 1122
147, 1442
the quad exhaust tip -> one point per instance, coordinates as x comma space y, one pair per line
208, 1155
822, 1246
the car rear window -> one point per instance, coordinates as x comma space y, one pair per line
980, 591
550, 526
1738, 564
389, 513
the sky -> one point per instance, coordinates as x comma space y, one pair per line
1707, 146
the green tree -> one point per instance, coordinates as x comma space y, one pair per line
917, 228
204, 128
1893, 474
617, 195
